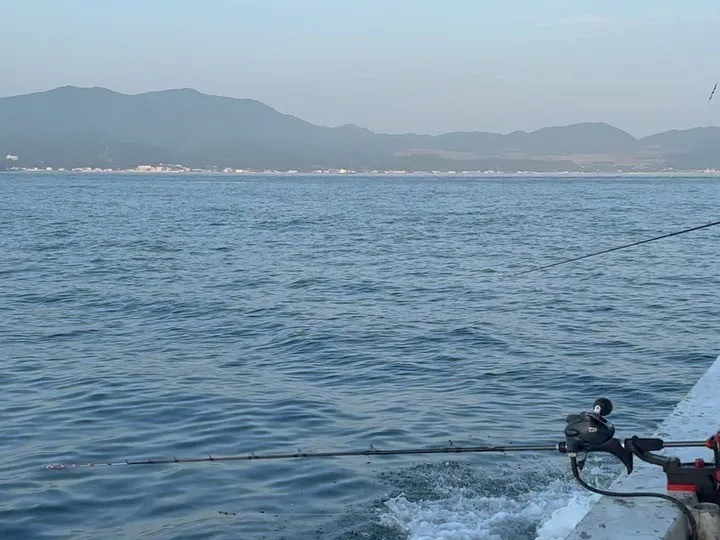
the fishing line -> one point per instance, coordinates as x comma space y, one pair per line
617, 248
709, 104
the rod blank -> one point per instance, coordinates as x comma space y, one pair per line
559, 447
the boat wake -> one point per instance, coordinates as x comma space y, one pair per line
543, 503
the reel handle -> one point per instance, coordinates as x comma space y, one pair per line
602, 406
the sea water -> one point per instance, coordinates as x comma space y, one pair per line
156, 316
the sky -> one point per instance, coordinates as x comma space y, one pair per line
393, 66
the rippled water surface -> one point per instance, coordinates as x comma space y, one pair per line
157, 316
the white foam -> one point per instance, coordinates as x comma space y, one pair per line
564, 519
548, 513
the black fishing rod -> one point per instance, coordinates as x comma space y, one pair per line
565, 261
452, 449
559, 447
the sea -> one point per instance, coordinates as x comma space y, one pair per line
148, 316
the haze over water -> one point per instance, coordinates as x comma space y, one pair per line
160, 316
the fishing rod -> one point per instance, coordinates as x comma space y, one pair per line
585, 433
632, 244
582, 431
452, 449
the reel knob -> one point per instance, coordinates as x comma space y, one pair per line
602, 406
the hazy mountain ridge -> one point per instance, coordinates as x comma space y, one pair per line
72, 127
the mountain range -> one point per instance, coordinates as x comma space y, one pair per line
97, 127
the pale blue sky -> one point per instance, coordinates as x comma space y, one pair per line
427, 66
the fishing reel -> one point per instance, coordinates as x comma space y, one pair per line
593, 432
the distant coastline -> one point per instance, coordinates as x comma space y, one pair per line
184, 130
709, 173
